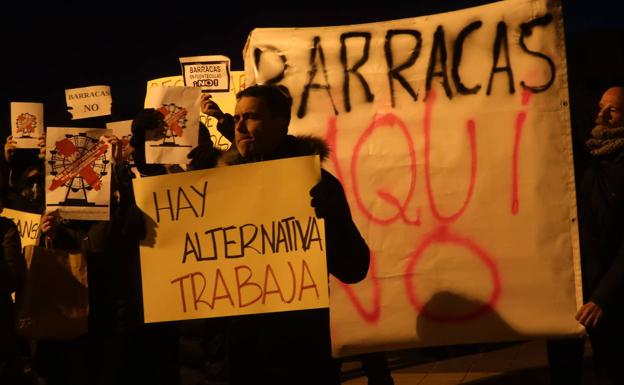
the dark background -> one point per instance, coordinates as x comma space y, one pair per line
51, 47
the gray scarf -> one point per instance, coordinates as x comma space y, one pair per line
605, 140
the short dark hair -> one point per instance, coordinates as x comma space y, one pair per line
146, 119
278, 98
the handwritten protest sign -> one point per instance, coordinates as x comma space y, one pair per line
168, 81
89, 102
27, 225
27, 123
256, 256
78, 173
451, 135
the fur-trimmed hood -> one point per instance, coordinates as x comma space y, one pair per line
291, 147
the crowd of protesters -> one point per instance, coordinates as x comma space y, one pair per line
119, 348
276, 348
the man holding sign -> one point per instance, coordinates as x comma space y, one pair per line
289, 347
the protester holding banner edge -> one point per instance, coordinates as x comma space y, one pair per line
601, 229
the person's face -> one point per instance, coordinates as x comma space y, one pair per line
256, 130
611, 108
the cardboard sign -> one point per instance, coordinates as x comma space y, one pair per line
168, 81
201, 261
27, 225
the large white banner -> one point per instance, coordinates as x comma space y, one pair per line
451, 136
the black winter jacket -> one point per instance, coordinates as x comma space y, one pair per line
601, 230
295, 347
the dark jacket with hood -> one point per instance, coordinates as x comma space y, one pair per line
295, 346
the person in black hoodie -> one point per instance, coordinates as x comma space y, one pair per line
289, 347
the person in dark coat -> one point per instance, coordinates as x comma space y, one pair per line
12, 272
122, 348
289, 347
601, 232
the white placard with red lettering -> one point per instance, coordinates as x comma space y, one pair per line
78, 172
451, 136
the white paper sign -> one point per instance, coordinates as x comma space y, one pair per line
26, 123
225, 100
78, 173
88, 102
180, 109
210, 73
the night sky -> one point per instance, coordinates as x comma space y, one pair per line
49, 48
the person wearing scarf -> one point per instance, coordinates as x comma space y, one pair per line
600, 203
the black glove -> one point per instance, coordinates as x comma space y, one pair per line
329, 200
203, 156
225, 126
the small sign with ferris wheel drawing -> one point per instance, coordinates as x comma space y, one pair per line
78, 172
178, 131
26, 123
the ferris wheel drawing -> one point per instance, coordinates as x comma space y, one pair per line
26, 124
78, 162
175, 122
